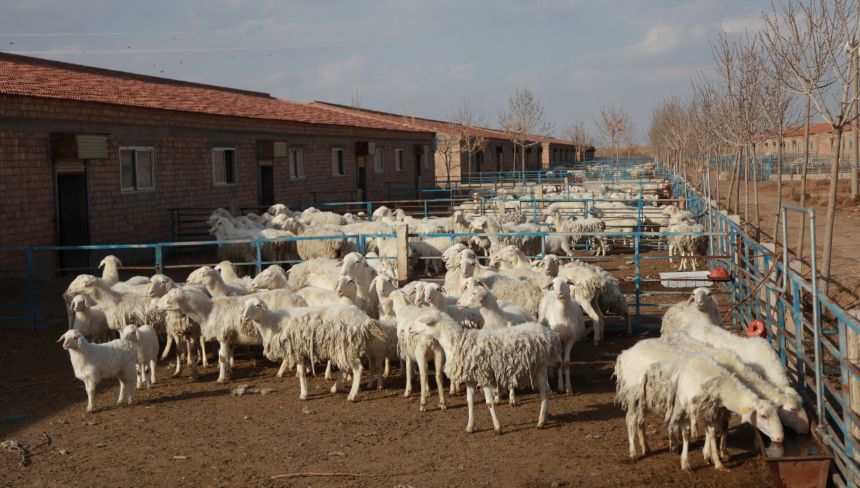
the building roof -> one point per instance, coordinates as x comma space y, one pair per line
34, 77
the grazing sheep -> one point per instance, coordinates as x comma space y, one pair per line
339, 333
497, 358
700, 308
688, 390
95, 362
90, 319
562, 314
146, 340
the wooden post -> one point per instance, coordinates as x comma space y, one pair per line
402, 254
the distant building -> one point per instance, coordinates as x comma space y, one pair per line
822, 142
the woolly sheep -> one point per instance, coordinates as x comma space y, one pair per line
120, 309
89, 319
562, 314
700, 308
331, 244
494, 315
179, 328
587, 287
339, 333
688, 390
95, 362
686, 243
214, 283
146, 340
316, 272
493, 359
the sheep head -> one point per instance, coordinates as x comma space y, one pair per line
427, 324
110, 260
472, 296
791, 411
432, 295
72, 339
129, 333
763, 416
278, 209
253, 311
346, 287
381, 213
550, 265
82, 284
561, 287
384, 285
450, 255
81, 303
271, 278
158, 286
199, 275
171, 301
224, 265
703, 300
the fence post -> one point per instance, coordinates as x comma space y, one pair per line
369, 210
425, 209
636, 281
402, 253
31, 289
159, 259
259, 264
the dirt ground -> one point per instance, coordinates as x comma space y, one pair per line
244, 441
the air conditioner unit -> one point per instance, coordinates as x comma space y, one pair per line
280, 149
92, 146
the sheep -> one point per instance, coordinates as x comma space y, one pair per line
383, 285
561, 313
380, 265
312, 216
179, 328
110, 275
355, 265
700, 308
587, 287
321, 272
146, 340
228, 273
688, 390
90, 319
430, 249
687, 243
419, 349
433, 295
95, 362
529, 244
120, 309
497, 358
331, 244
494, 315
298, 335
508, 258
215, 284
525, 293
791, 411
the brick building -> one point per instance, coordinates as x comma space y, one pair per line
450, 157
92, 156
822, 142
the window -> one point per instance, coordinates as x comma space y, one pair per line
398, 159
337, 166
379, 161
425, 158
136, 168
224, 165
297, 163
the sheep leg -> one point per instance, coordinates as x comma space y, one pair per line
129, 385
303, 381
356, 379
685, 450
643, 441
440, 385
203, 352
139, 373
408, 391
470, 401
711, 440
178, 369
90, 386
285, 365
194, 362
328, 371
188, 353
225, 360
387, 371
122, 387
422, 377
566, 366
632, 428
724, 435
543, 386
151, 372
167, 346
488, 396
512, 398
560, 377
671, 248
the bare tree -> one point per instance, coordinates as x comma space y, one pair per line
448, 147
614, 122
471, 137
578, 135
525, 122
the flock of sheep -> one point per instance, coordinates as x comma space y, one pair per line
502, 326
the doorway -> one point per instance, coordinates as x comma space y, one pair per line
267, 184
73, 220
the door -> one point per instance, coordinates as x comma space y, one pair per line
267, 185
362, 183
73, 218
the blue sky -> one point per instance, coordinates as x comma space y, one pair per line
408, 56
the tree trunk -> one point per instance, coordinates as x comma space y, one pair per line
755, 194
831, 212
801, 231
856, 153
732, 182
747, 220
779, 141
523, 159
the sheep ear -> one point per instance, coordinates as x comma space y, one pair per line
101, 264
118, 262
443, 290
570, 282
691, 299
62, 337
746, 414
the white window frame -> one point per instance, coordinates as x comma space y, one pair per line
135, 150
399, 159
235, 167
379, 161
335, 171
296, 160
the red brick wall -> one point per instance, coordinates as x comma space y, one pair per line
183, 166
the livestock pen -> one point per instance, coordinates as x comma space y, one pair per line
759, 289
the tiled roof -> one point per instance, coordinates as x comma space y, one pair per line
814, 129
33, 77
425, 123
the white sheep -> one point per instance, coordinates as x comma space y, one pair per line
494, 315
95, 362
339, 333
272, 278
493, 359
688, 242
688, 390
316, 272
330, 243
178, 327
561, 313
700, 308
90, 319
120, 309
214, 283
586, 290
146, 340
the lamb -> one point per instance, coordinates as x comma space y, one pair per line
339, 333
688, 390
90, 319
562, 314
146, 340
700, 308
687, 243
493, 314
791, 411
95, 362
179, 328
497, 358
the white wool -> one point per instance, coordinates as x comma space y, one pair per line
562, 314
147, 351
89, 319
700, 308
95, 362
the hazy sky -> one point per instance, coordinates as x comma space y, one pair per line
407, 56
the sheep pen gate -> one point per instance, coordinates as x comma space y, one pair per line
812, 335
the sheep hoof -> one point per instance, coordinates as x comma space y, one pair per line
442, 406
422, 408
687, 469
498, 431
540, 425
222, 381
350, 399
469, 430
303, 397
722, 468
175, 375
334, 389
